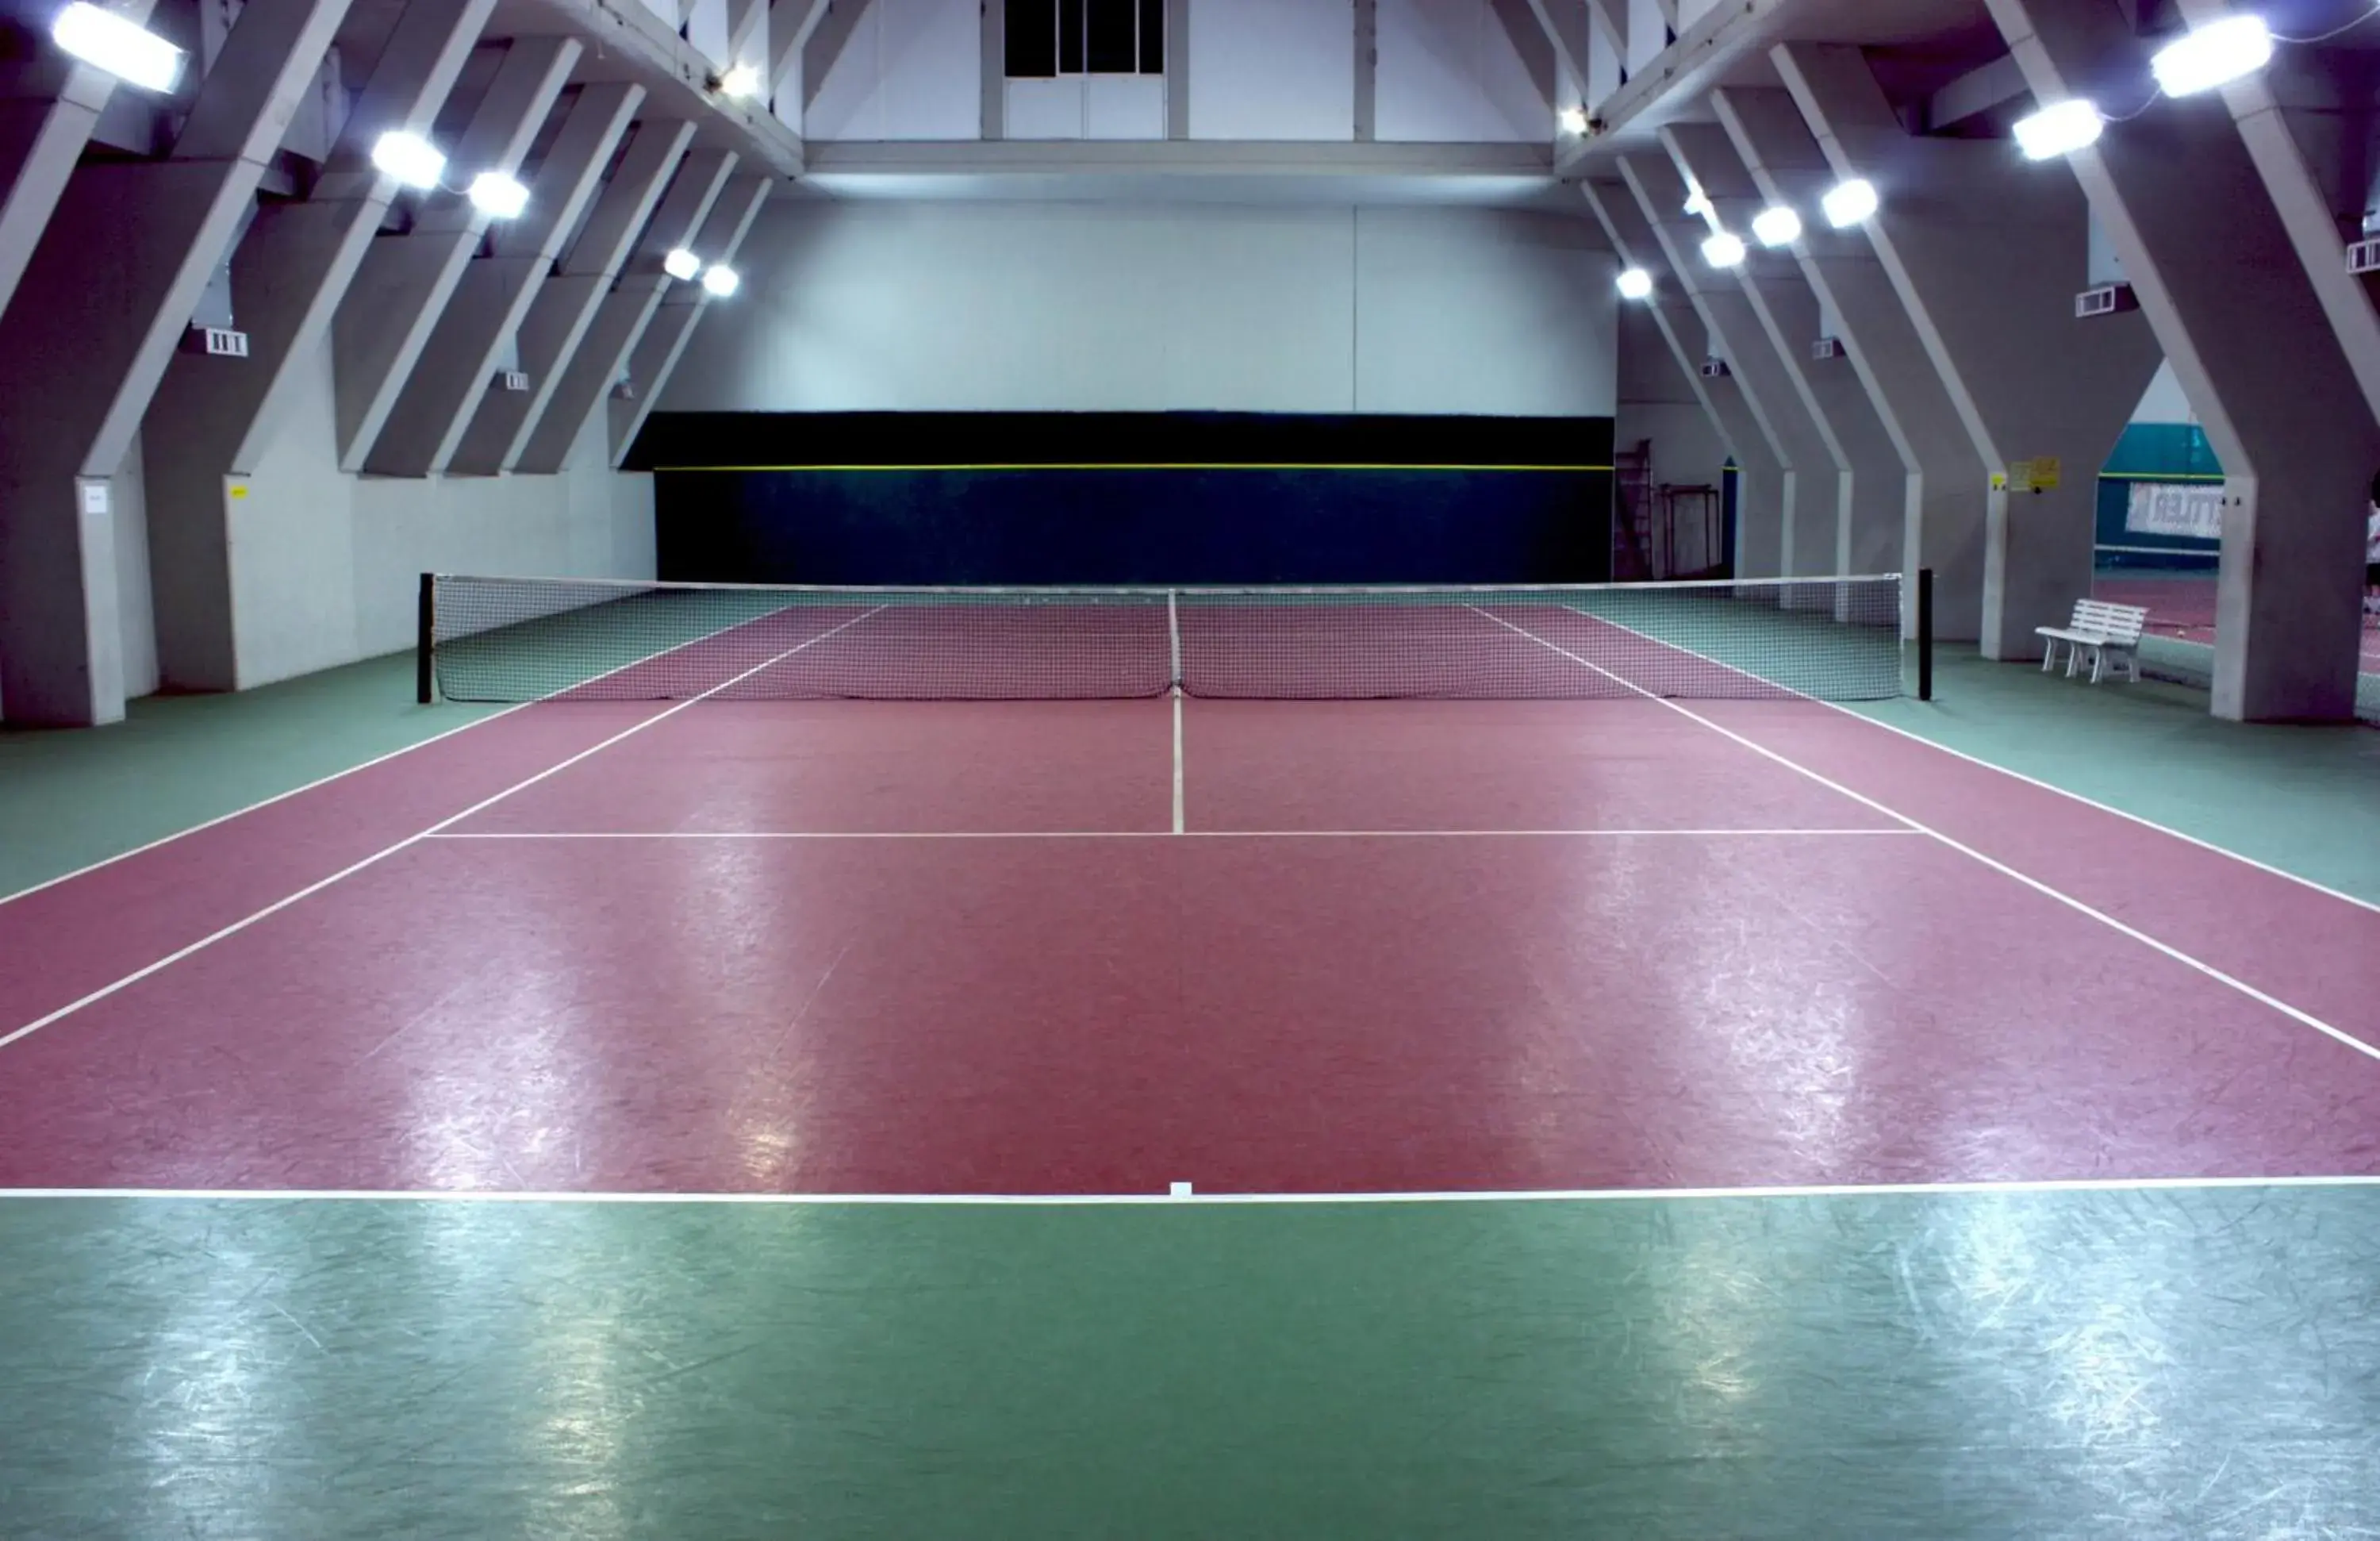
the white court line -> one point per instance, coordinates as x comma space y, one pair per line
260, 803
2144, 822
378, 759
1980, 1188
2176, 954
1160, 834
2299, 879
1177, 760
279, 905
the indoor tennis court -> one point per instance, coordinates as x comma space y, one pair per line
1189, 768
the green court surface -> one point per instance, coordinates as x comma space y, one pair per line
2131, 1361
68, 798
2037, 1364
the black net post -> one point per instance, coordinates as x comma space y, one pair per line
1925, 634
425, 626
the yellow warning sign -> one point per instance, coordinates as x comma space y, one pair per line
2000, 482
240, 489
2031, 476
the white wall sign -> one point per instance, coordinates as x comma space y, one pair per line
2164, 508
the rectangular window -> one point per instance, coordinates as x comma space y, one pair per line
1112, 45
1032, 34
1049, 38
1070, 36
1152, 37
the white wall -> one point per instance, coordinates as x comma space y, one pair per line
1647, 33
2164, 402
983, 307
1272, 69
910, 70
1449, 72
1658, 403
324, 565
1257, 70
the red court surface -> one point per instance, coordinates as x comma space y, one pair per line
2183, 607
919, 949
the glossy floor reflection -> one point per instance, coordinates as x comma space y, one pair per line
2097, 1364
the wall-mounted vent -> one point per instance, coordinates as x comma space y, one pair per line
2108, 299
512, 379
1714, 369
1827, 347
2363, 256
215, 342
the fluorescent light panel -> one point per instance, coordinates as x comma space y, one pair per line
1725, 250
1850, 202
126, 49
498, 196
742, 82
1776, 227
1635, 284
410, 158
2060, 130
681, 264
2213, 55
722, 281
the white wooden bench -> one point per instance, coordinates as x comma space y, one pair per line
2109, 633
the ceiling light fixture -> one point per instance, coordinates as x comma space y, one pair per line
1850, 202
497, 195
2060, 130
410, 158
1776, 227
1725, 250
125, 49
2213, 55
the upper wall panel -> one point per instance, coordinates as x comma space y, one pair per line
1449, 72
1265, 70
909, 71
976, 307
1272, 69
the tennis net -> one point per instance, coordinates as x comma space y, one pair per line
522, 640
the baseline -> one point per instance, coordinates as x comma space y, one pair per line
1162, 834
1187, 1193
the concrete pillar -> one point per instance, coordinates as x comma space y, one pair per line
103, 303
1988, 252
565, 304
2303, 126
1946, 487
681, 310
1767, 538
1871, 486
212, 419
1760, 475
458, 364
45, 120
594, 367
398, 295
2220, 282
